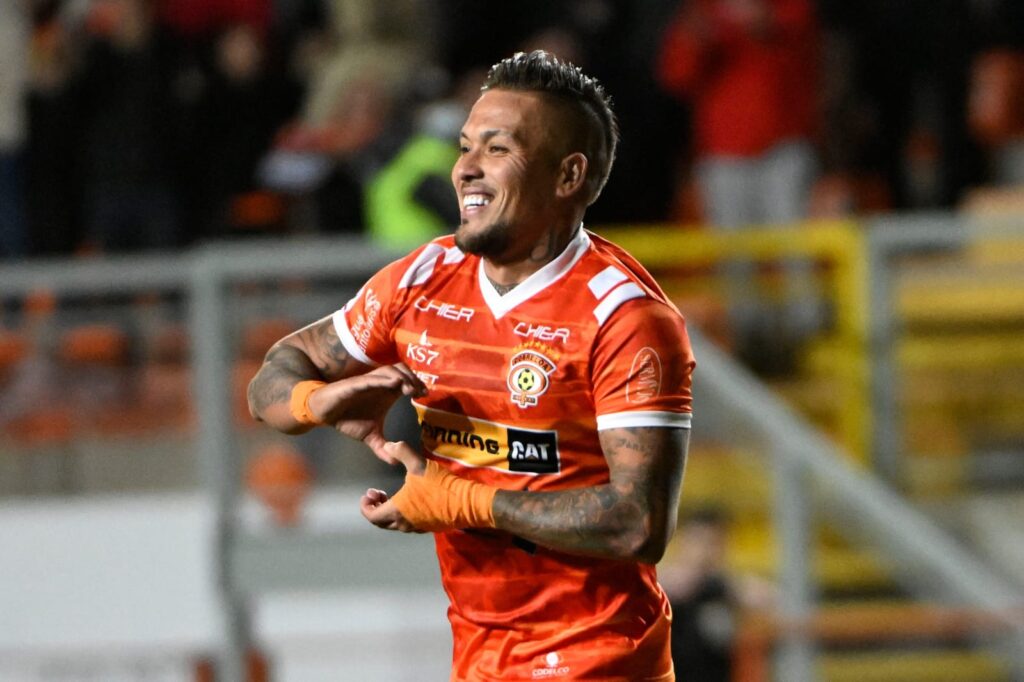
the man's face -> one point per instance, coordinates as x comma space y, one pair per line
506, 174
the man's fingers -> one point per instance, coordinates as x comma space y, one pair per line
412, 385
413, 461
373, 497
398, 378
376, 512
378, 445
384, 515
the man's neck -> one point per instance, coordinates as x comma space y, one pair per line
506, 276
502, 289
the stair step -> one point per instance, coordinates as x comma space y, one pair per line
916, 666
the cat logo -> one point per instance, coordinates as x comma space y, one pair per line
528, 377
533, 452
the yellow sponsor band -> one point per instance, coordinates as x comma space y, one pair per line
473, 442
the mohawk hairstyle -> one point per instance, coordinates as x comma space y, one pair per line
539, 71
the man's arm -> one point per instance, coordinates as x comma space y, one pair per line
313, 353
354, 399
632, 516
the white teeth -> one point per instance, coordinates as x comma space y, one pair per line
475, 200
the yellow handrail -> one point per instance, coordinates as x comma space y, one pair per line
840, 243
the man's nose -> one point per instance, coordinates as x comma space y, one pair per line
467, 167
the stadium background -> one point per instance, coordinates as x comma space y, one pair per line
182, 182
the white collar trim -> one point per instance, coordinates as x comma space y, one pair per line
535, 283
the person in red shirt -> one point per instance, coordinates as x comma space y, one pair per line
748, 68
551, 377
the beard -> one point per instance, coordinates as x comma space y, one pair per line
491, 242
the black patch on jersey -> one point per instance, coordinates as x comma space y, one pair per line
534, 452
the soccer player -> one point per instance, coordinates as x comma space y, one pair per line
552, 381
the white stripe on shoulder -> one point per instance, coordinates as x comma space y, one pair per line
349, 341
618, 296
453, 254
619, 420
601, 283
423, 267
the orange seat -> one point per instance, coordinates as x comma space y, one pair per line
13, 348
94, 344
44, 427
280, 477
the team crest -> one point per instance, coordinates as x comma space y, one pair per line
528, 377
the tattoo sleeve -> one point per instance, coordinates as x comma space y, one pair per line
630, 517
313, 352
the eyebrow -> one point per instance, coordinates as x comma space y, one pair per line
488, 134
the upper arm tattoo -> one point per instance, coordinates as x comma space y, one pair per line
322, 345
646, 464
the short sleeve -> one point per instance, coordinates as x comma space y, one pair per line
365, 324
641, 368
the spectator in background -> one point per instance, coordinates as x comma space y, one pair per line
996, 112
748, 69
707, 600
373, 148
53, 189
909, 63
127, 145
408, 197
197, 18
13, 95
239, 114
382, 41
995, 109
385, 161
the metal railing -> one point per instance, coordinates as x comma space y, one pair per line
841, 244
925, 559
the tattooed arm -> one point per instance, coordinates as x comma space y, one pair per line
354, 401
630, 517
313, 352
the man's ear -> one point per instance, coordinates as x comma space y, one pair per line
572, 176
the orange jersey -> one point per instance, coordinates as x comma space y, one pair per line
519, 386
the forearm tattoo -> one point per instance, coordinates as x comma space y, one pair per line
282, 368
622, 518
314, 352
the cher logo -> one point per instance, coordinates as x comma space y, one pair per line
534, 452
644, 381
528, 377
449, 311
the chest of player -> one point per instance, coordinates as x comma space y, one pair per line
519, 365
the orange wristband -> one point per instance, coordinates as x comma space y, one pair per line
440, 500
299, 403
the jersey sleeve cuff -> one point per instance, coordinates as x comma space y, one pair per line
618, 420
348, 341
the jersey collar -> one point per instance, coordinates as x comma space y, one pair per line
535, 283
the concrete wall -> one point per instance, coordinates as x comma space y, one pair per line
121, 588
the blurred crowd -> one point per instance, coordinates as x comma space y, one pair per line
147, 124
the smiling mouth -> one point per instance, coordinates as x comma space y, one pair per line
474, 203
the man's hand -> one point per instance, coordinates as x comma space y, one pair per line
356, 406
375, 505
432, 498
